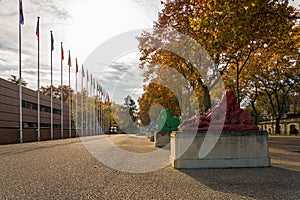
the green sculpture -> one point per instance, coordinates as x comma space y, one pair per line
167, 122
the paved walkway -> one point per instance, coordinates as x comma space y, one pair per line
64, 169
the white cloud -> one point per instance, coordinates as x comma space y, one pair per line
81, 25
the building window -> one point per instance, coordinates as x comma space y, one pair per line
34, 106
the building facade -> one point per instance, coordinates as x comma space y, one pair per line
10, 115
289, 125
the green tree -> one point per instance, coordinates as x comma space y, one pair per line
131, 107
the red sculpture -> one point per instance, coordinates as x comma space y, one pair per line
226, 115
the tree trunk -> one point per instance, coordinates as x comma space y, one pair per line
277, 125
189, 103
255, 112
237, 85
206, 98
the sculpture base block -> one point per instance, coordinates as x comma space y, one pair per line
232, 149
151, 138
162, 138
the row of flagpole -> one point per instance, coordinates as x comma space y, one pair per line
96, 94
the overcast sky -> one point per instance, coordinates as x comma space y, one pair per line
84, 27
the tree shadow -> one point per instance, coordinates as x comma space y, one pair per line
258, 183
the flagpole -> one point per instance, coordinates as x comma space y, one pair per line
82, 93
94, 99
87, 100
70, 133
51, 87
98, 106
91, 103
100, 111
94, 109
39, 112
76, 103
20, 69
61, 94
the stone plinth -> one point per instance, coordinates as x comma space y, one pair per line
233, 149
151, 136
162, 138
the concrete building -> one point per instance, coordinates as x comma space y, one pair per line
288, 125
10, 118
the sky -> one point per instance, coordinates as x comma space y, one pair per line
99, 33
82, 26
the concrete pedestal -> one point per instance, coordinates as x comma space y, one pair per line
232, 149
151, 138
162, 138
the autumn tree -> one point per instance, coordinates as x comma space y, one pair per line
239, 29
231, 33
118, 119
276, 71
174, 57
157, 94
56, 91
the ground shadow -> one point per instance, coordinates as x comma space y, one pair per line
15, 149
258, 183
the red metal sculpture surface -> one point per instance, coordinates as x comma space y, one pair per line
226, 115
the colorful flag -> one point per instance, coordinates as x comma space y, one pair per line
69, 61
76, 66
37, 32
62, 53
21, 13
52, 42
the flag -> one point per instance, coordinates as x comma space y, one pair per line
87, 75
83, 75
69, 61
62, 53
76, 66
21, 13
91, 79
37, 32
52, 42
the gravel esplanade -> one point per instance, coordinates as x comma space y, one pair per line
64, 169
